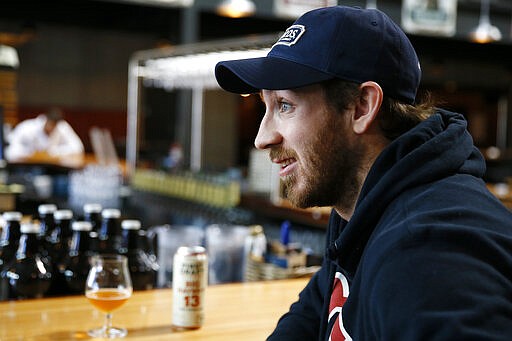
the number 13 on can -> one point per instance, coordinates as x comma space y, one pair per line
190, 278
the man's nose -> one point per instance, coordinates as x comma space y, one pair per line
268, 135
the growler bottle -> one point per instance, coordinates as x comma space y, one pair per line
29, 274
75, 266
10, 237
92, 214
57, 244
46, 219
60, 237
142, 268
145, 243
94, 242
109, 238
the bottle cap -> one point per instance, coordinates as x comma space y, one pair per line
30, 228
63, 214
12, 215
130, 225
46, 208
81, 226
92, 208
111, 213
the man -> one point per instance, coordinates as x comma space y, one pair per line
417, 248
47, 133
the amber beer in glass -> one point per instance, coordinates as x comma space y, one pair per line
108, 287
107, 300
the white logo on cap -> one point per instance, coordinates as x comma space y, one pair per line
291, 35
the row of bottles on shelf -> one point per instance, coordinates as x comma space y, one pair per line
214, 190
50, 256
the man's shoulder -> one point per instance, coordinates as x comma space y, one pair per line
28, 125
461, 200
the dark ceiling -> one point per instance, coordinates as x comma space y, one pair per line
164, 22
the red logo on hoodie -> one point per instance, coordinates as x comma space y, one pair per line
339, 295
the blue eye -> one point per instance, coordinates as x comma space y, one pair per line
283, 106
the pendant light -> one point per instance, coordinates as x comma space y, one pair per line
236, 8
485, 32
9, 57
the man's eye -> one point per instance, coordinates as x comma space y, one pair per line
283, 106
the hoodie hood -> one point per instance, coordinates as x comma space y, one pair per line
436, 148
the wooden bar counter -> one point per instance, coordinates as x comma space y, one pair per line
234, 311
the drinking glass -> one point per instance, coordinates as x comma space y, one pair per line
108, 287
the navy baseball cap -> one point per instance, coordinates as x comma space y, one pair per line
350, 43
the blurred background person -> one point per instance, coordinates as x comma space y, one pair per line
47, 133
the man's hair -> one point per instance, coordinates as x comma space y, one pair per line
395, 117
54, 115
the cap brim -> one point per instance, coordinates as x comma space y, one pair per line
245, 76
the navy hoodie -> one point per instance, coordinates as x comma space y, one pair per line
427, 254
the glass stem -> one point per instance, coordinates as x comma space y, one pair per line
108, 322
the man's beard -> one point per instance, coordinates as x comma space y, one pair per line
328, 174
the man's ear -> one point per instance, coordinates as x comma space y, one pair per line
367, 106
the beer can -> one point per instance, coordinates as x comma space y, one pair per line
189, 281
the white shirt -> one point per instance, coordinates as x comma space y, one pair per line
29, 137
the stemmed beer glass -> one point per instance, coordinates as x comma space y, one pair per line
108, 287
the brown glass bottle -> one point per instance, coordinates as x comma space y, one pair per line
58, 244
29, 274
59, 239
92, 214
10, 237
75, 265
142, 267
109, 238
46, 219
